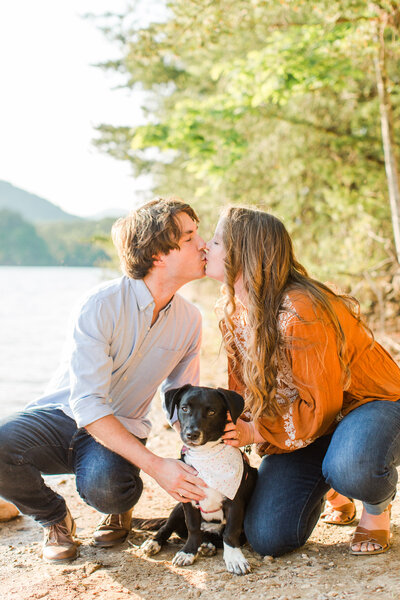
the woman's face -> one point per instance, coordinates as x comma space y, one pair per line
216, 254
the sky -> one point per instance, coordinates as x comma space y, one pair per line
51, 98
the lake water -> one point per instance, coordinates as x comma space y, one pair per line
35, 303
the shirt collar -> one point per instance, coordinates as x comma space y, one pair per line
142, 293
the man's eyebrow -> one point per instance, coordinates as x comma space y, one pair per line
189, 231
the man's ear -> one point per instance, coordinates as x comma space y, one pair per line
234, 402
158, 260
173, 398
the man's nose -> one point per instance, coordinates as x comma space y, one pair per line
201, 243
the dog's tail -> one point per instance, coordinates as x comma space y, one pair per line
148, 524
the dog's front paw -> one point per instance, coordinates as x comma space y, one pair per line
235, 561
182, 559
207, 549
150, 547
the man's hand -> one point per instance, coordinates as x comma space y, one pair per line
179, 480
174, 476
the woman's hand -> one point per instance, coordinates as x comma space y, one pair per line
240, 434
179, 480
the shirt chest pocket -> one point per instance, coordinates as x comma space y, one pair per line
158, 362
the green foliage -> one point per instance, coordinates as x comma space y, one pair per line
272, 104
19, 242
74, 244
79, 244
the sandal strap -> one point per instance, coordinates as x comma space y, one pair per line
372, 536
347, 511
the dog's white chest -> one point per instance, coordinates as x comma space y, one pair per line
219, 465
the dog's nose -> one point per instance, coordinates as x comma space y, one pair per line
193, 435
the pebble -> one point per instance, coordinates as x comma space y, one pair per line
89, 569
268, 559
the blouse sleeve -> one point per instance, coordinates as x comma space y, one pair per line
313, 385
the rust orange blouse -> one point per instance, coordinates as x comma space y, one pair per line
310, 376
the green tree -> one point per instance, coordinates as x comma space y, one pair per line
20, 243
273, 104
78, 244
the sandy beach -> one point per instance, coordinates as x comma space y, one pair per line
322, 570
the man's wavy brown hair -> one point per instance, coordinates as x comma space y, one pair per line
149, 230
259, 248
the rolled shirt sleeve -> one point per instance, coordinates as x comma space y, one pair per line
91, 363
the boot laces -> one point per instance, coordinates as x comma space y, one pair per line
59, 534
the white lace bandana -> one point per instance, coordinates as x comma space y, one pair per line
219, 465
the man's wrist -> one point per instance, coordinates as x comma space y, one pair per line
152, 464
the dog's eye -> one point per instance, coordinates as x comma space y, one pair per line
211, 412
184, 409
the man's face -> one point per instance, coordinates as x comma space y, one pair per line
189, 261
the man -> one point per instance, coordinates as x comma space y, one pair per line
129, 335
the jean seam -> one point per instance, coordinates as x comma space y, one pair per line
71, 448
23, 457
304, 508
394, 440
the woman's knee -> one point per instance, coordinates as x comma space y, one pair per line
269, 537
359, 472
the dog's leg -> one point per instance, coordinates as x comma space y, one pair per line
175, 523
189, 551
233, 556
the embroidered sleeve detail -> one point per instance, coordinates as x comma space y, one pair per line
288, 424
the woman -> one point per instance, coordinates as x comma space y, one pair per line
322, 395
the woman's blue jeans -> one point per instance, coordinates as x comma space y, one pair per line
47, 441
358, 460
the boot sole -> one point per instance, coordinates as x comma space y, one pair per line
109, 544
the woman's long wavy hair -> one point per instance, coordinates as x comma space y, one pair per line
259, 248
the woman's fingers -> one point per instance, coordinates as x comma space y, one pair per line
230, 432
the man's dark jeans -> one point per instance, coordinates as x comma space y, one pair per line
47, 441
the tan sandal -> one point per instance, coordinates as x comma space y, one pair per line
371, 536
345, 513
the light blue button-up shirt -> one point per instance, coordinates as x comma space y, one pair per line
115, 360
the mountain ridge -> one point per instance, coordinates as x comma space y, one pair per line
31, 207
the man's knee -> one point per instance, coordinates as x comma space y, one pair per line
110, 492
7, 445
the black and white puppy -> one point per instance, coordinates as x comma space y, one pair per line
202, 414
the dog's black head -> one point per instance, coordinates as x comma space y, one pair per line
202, 411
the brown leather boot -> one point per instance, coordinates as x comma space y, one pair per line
113, 529
59, 545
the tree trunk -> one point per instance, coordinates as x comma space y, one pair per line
392, 173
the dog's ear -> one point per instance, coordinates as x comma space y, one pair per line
173, 398
234, 402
